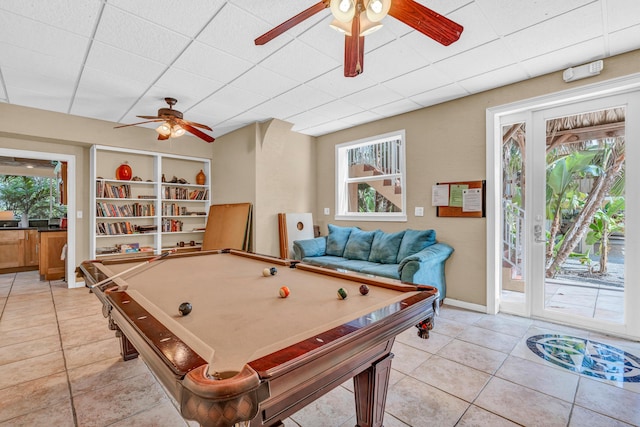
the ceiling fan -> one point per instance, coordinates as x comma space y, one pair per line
173, 124
358, 18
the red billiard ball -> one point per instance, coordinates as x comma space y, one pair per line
284, 292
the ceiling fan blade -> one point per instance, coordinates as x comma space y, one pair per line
425, 20
292, 22
150, 117
197, 132
198, 125
354, 51
139, 123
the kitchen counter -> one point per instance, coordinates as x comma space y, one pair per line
40, 229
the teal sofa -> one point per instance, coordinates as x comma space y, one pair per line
411, 255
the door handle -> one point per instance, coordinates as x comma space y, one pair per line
537, 234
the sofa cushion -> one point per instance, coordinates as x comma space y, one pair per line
414, 241
385, 246
337, 239
384, 270
359, 244
326, 261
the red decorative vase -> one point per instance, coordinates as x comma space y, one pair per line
123, 172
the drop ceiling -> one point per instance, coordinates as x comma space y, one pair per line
115, 59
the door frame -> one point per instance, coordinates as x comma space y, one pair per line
70, 270
621, 85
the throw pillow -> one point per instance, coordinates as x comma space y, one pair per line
337, 239
414, 241
359, 244
385, 246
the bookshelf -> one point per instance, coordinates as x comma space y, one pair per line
160, 208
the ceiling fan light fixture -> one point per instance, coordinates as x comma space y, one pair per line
341, 27
177, 131
377, 9
343, 10
164, 129
367, 27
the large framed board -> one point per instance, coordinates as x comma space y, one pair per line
466, 199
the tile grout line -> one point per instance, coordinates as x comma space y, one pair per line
4, 306
64, 359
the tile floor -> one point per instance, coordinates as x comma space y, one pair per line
59, 366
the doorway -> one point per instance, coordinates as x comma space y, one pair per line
559, 212
70, 160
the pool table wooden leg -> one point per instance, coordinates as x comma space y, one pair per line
127, 350
370, 388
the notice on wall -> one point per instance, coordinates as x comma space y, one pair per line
440, 195
472, 200
455, 194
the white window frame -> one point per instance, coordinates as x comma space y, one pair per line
342, 179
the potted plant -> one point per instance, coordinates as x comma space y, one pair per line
25, 195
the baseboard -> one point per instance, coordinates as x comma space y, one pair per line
465, 305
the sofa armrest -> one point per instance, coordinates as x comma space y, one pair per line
309, 247
427, 267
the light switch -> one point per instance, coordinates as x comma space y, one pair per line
327, 211
419, 211
79, 214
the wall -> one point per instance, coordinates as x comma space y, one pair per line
31, 129
446, 142
269, 166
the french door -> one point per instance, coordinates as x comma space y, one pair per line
568, 211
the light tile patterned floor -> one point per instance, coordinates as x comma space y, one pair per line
59, 366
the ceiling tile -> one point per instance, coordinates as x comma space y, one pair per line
394, 108
75, 16
39, 80
143, 38
233, 30
360, 118
211, 63
564, 58
618, 16
45, 101
393, 59
228, 102
505, 75
507, 19
264, 82
41, 38
557, 33
277, 109
336, 109
189, 21
124, 64
300, 62
276, 12
439, 95
335, 82
305, 97
38, 65
307, 119
372, 97
325, 128
421, 80
624, 40
187, 87
490, 56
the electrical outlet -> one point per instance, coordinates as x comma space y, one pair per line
419, 211
327, 211
79, 214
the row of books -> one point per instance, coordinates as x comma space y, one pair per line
112, 228
104, 189
172, 209
135, 209
169, 225
179, 193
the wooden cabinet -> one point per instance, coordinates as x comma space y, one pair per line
51, 245
31, 257
11, 248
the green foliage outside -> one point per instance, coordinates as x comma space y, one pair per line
37, 197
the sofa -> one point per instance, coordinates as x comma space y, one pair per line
411, 255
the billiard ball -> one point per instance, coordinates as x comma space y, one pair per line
269, 272
185, 308
284, 292
342, 293
364, 289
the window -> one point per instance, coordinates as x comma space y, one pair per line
370, 181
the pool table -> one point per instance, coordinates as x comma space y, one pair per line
244, 353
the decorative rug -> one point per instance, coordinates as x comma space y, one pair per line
587, 357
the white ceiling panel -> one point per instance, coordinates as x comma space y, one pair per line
143, 38
211, 63
41, 39
202, 52
173, 14
75, 16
